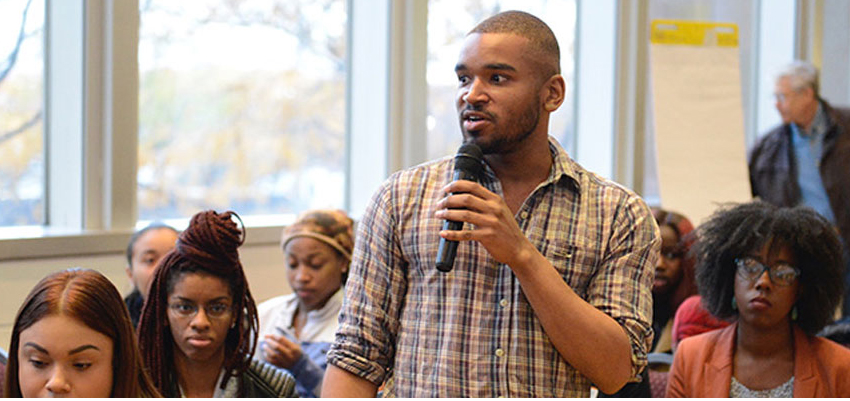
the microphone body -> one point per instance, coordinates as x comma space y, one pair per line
467, 167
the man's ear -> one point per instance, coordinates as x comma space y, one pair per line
129, 270
554, 90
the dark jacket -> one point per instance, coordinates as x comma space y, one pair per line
773, 169
134, 303
261, 380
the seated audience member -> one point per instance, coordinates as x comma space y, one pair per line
838, 331
72, 338
674, 281
146, 247
777, 273
692, 319
298, 329
198, 328
674, 275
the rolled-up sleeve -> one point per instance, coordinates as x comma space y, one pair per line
374, 293
622, 287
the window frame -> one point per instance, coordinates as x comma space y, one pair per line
91, 109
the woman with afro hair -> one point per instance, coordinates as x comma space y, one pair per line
776, 273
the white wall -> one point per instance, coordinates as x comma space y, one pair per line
263, 265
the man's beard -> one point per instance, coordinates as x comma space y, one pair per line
505, 139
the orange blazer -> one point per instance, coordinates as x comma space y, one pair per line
702, 366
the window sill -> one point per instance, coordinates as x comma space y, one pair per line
34, 242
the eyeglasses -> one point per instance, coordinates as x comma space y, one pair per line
781, 274
671, 254
214, 310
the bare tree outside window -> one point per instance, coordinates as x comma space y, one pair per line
242, 106
21, 100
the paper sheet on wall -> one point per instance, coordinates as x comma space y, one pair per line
699, 124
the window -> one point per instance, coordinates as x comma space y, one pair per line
448, 23
241, 106
21, 103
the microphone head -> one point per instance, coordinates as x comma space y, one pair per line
468, 158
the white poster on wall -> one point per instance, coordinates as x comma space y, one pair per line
698, 115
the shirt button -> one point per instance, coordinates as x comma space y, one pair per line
503, 303
500, 352
524, 215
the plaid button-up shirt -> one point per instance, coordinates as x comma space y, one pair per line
471, 332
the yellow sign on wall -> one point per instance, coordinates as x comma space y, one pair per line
694, 33
698, 116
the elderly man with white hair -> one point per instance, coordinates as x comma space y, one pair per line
806, 159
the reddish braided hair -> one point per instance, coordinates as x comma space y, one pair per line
209, 245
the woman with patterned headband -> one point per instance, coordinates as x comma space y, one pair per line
297, 329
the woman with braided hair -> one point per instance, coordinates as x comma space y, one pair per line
198, 329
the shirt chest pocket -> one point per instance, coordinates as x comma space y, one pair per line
575, 262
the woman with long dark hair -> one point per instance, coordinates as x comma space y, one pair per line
72, 337
198, 329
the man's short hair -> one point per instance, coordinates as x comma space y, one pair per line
530, 27
801, 75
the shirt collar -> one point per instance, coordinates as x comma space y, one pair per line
820, 124
562, 166
331, 307
231, 390
329, 311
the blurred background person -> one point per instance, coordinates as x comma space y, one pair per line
838, 331
674, 275
776, 272
146, 247
296, 330
692, 319
72, 338
198, 329
805, 161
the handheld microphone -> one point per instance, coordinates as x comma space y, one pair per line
467, 167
